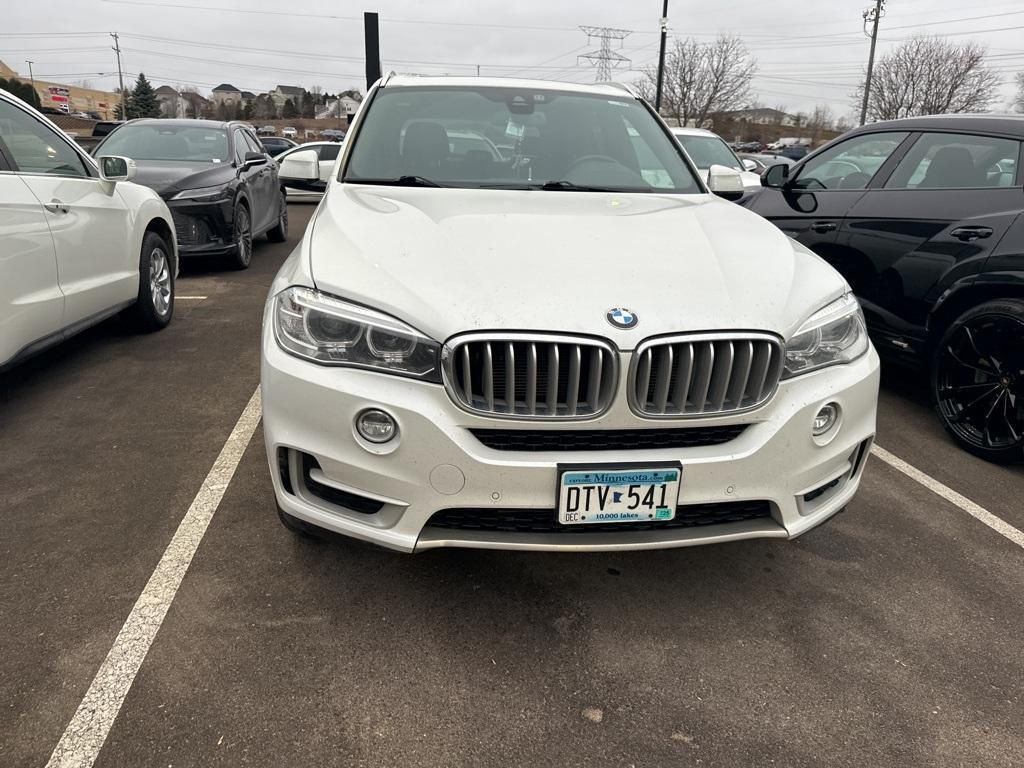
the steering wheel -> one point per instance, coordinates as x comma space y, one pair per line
856, 180
590, 159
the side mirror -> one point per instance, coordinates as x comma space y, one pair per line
725, 182
749, 164
114, 168
775, 176
300, 166
253, 158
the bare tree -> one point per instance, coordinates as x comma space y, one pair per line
702, 79
928, 76
819, 122
1018, 99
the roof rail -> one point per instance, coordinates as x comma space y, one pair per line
623, 87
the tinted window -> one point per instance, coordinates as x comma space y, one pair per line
706, 151
515, 138
252, 144
851, 164
34, 147
167, 141
329, 151
950, 160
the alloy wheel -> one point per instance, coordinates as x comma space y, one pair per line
160, 281
980, 382
243, 231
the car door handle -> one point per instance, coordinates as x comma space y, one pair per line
56, 206
823, 226
971, 233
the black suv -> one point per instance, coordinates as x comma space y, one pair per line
220, 184
925, 218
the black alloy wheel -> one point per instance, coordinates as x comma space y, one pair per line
243, 238
279, 232
978, 380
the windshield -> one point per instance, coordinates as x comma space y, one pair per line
706, 151
148, 141
514, 138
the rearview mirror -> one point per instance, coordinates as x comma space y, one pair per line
725, 182
253, 158
775, 176
300, 166
114, 168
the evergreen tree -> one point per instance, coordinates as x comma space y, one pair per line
123, 110
144, 102
249, 110
22, 90
289, 111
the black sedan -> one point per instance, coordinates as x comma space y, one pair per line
925, 219
220, 185
275, 145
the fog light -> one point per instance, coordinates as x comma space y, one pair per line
376, 426
825, 420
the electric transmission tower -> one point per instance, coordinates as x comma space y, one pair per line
605, 59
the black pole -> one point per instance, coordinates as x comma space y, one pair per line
661, 57
371, 34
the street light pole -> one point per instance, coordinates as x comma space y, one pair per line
661, 57
872, 15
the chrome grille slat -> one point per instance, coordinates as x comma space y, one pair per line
531, 376
704, 374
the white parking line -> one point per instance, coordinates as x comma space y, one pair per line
974, 510
84, 736
190, 298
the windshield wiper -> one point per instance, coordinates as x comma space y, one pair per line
401, 181
568, 186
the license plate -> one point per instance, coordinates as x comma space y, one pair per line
642, 494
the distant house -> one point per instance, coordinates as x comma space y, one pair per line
248, 96
196, 105
282, 93
226, 94
172, 103
344, 106
759, 116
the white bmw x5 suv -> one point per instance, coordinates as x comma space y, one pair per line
553, 337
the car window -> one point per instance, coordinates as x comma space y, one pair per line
252, 144
851, 164
532, 136
168, 141
240, 147
329, 151
36, 148
706, 151
957, 161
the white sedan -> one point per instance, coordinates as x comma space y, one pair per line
326, 153
574, 345
706, 149
79, 241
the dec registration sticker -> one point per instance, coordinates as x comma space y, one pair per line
646, 494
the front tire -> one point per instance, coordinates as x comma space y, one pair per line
154, 305
243, 238
279, 233
977, 380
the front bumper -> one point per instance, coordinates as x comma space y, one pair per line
387, 494
204, 228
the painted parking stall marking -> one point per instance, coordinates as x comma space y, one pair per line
997, 524
84, 736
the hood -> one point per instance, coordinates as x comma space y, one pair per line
168, 177
448, 261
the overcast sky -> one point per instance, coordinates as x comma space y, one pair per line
808, 52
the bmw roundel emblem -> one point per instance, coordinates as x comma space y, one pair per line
621, 317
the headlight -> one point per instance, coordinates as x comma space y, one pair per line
202, 193
834, 334
318, 327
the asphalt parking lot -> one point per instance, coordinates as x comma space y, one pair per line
890, 636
